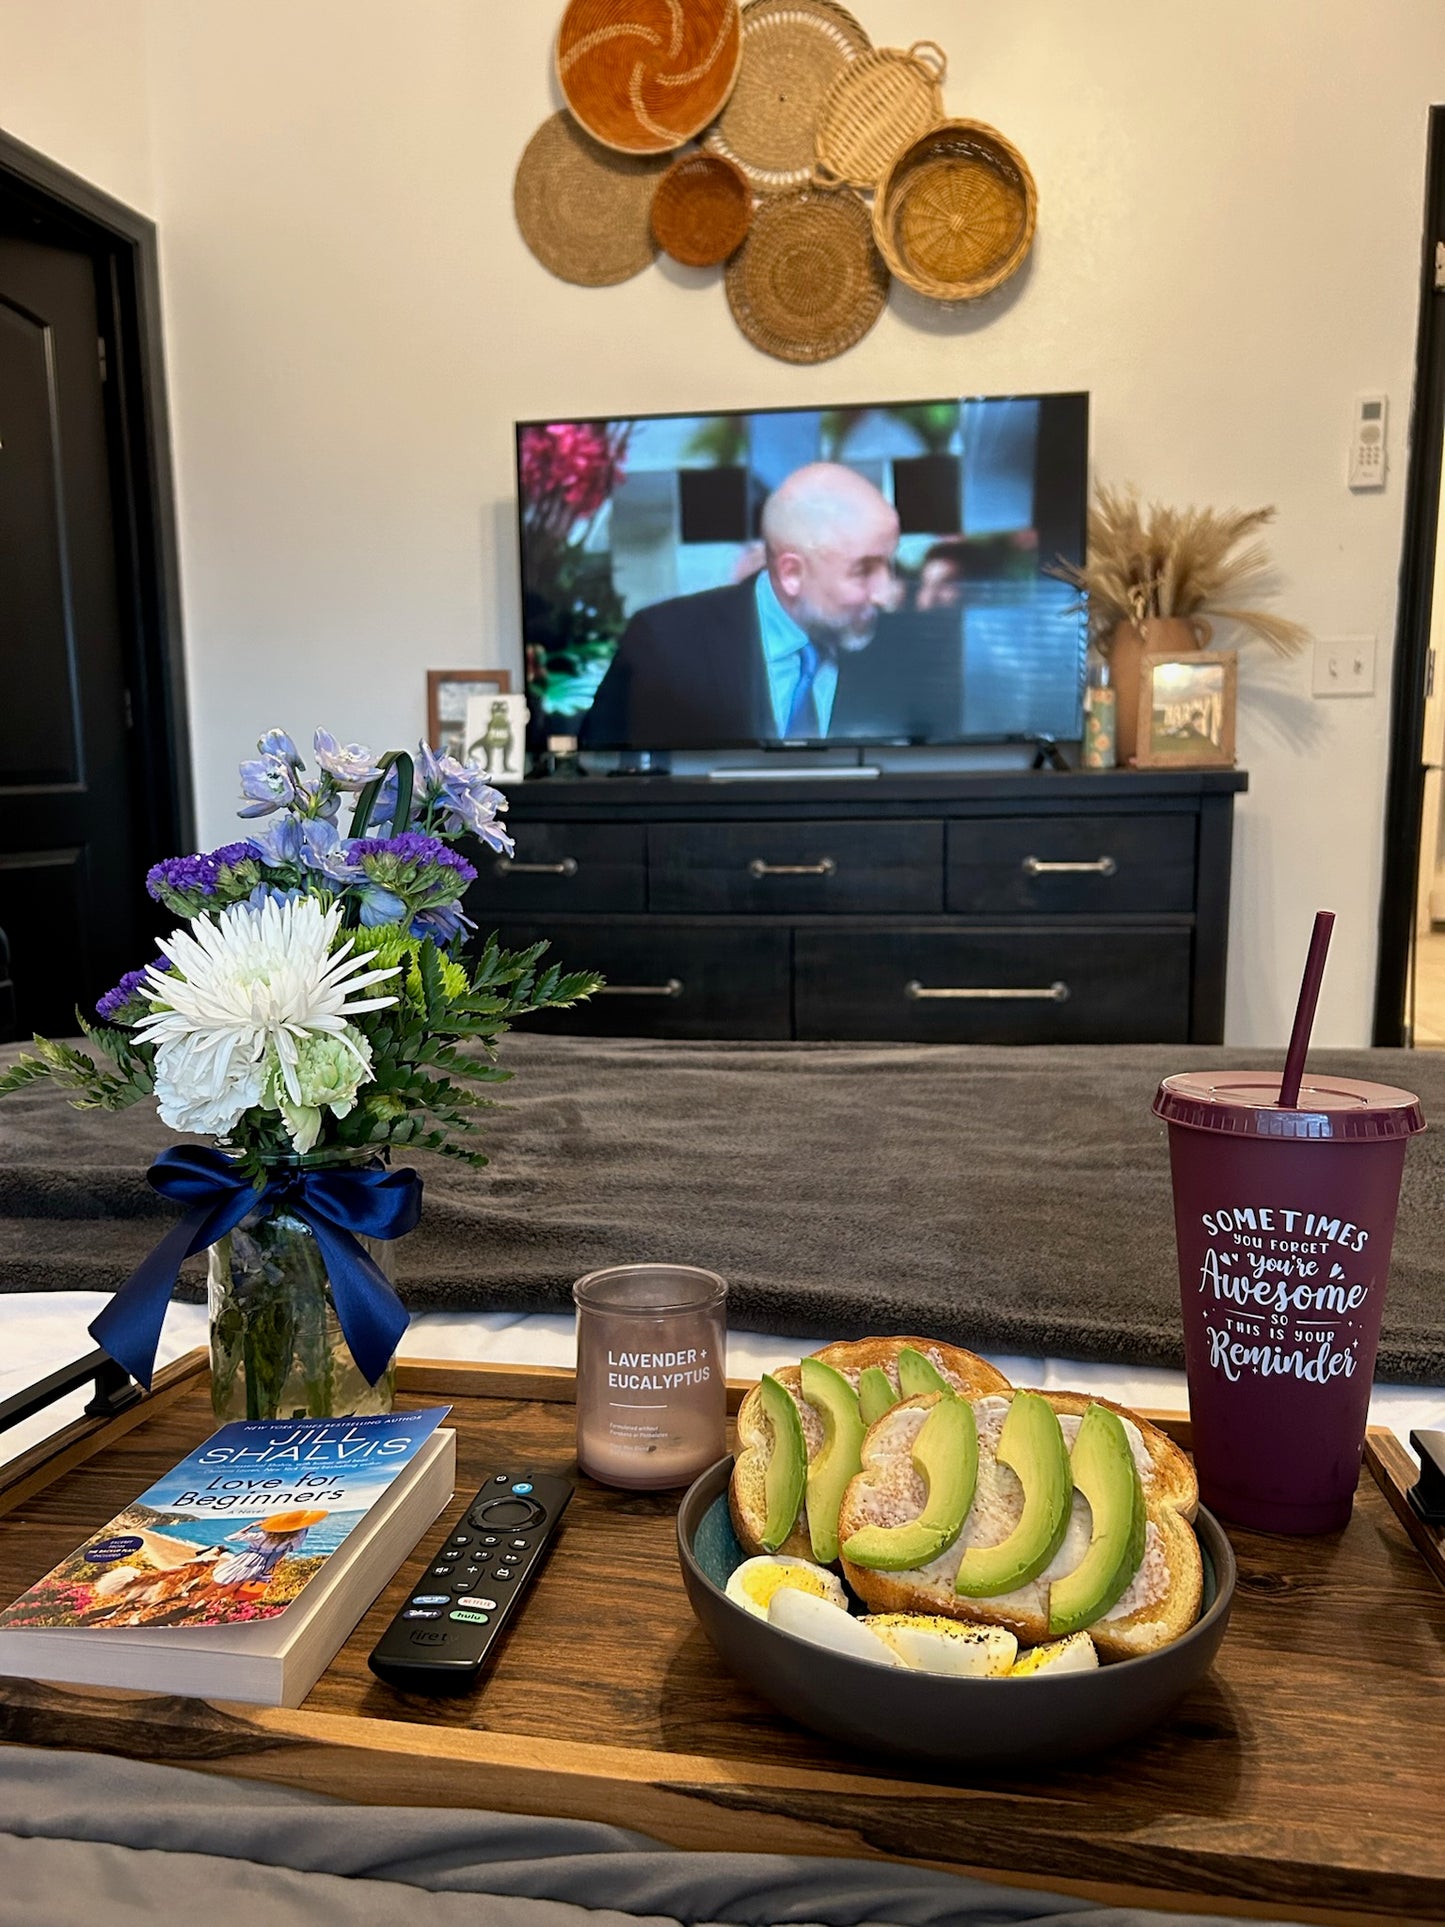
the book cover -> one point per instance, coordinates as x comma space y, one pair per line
233, 1533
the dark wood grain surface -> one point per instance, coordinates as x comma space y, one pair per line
1301, 1780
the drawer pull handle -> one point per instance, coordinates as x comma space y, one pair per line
507, 868
824, 868
1038, 866
1056, 993
672, 988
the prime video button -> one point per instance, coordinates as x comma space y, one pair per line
431, 1599
479, 1605
472, 1619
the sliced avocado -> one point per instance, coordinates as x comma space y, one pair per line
945, 1457
838, 1459
1032, 1444
875, 1393
917, 1374
787, 1473
1105, 1472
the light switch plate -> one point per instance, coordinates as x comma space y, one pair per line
1344, 666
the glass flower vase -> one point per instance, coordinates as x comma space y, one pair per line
277, 1349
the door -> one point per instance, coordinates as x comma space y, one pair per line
71, 898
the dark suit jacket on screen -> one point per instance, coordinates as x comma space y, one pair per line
689, 674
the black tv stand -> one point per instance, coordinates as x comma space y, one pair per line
992, 906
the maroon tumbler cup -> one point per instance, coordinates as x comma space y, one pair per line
1284, 1220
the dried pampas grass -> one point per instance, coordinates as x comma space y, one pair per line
1159, 562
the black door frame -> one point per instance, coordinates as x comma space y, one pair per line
129, 304
1405, 791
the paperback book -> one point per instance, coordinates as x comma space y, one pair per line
240, 1572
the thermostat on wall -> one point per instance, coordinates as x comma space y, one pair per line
1367, 445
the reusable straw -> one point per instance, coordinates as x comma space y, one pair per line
1304, 1014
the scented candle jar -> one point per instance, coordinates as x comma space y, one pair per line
651, 1374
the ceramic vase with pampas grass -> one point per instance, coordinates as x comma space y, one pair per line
1157, 580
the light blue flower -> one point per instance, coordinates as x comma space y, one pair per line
380, 906
350, 766
269, 781
444, 925
277, 743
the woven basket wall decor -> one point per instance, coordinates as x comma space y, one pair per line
954, 216
584, 211
793, 51
875, 107
808, 282
644, 76
701, 210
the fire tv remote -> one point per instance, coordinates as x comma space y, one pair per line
439, 1641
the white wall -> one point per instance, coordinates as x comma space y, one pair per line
1222, 260
73, 84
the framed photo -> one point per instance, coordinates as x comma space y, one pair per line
1186, 710
447, 694
496, 736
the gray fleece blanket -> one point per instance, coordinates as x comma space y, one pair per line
1014, 1200
84, 1839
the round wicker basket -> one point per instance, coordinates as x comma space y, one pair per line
875, 107
701, 210
807, 283
955, 213
584, 211
644, 76
793, 51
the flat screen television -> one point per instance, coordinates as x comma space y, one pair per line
864, 575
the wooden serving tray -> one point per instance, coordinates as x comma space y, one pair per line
1302, 1780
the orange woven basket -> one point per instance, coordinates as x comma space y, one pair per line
701, 210
644, 76
955, 214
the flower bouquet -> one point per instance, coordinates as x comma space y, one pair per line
314, 1009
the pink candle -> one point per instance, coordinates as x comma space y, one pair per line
651, 1374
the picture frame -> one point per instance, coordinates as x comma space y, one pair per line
1187, 709
495, 737
447, 694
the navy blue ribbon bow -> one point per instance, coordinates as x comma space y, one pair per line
339, 1205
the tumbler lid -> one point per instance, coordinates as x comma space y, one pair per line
1246, 1104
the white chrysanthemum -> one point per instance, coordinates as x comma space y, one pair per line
251, 980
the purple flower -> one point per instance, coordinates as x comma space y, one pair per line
444, 925
185, 883
350, 766
413, 848
302, 843
462, 796
131, 988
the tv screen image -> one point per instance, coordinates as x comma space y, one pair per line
870, 575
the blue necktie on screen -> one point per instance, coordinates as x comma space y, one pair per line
803, 716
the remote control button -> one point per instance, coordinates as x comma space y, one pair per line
461, 1538
501, 1479
520, 1545
431, 1599
442, 1572
479, 1605
419, 1612
502, 1572
473, 1619
511, 1513
523, 1486
490, 1539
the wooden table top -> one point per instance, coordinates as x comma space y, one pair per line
1300, 1780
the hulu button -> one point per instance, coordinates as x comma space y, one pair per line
474, 1619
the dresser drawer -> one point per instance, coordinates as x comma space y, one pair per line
796, 869
562, 867
999, 986
669, 980
1066, 865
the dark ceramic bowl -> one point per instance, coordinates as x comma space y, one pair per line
927, 1715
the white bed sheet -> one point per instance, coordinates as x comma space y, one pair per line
44, 1330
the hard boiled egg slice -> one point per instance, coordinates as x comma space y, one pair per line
755, 1582
934, 1644
822, 1623
1076, 1654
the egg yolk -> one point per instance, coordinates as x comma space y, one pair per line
762, 1584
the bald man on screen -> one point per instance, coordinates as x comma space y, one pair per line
767, 659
